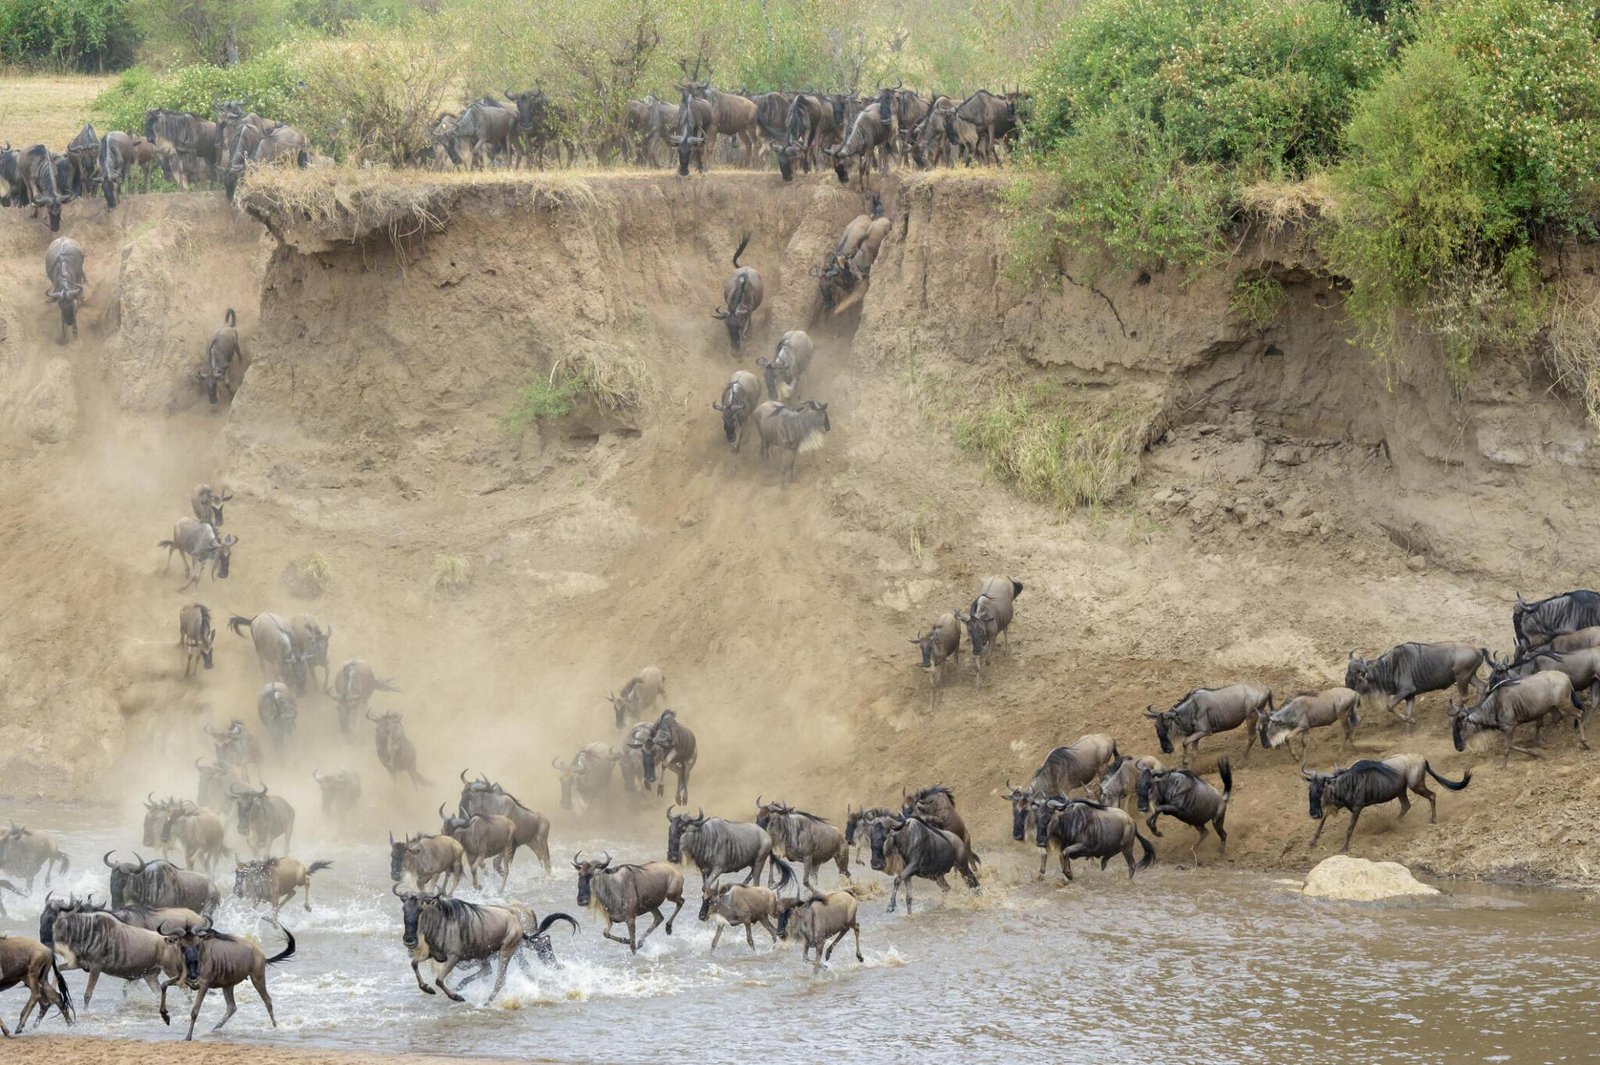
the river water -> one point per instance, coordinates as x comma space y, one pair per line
1213, 965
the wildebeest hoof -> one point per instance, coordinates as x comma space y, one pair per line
429, 991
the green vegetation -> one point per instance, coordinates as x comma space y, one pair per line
1258, 298
63, 35
546, 399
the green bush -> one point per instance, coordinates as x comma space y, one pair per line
85, 35
268, 84
546, 399
1481, 143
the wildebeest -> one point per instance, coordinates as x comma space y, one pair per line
159, 885
739, 399
940, 646
341, 791
63, 265
196, 637
450, 931
1081, 828
1120, 781
1207, 711
7, 886
1515, 702
1306, 711
936, 805
804, 838
1582, 666
206, 502
263, 818
32, 964
236, 747
862, 261
717, 846
42, 176
284, 144
741, 296
483, 837
155, 819
907, 847
491, 127
989, 618
1412, 669
1181, 794
98, 943
82, 157
1371, 783
215, 781
278, 711
353, 686
820, 918
197, 542
542, 126
993, 117
274, 646
310, 638
1572, 641
744, 906
1539, 621
116, 157
792, 430
426, 859
732, 116
186, 137
212, 959
532, 828
13, 189
197, 830
222, 352
587, 776
275, 880
671, 746
25, 851
622, 894
873, 135
639, 695
788, 365
857, 821
396, 752
240, 143
1064, 770
696, 131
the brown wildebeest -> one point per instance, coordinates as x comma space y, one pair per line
533, 828
1120, 782
792, 430
622, 894
263, 818
787, 365
448, 932
1515, 702
1411, 669
731, 116
212, 959
396, 752
483, 837
671, 746
197, 830
196, 637
274, 646
24, 851
30, 963
310, 638
428, 858
872, 136
989, 618
1310, 710
639, 695
63, 265
99, 943
116, 159
1064, 770
197, 542
739, 399
937, 806
341, 791
1370, 783
941, 645
275, 880
284, 144
744, 906
144, 154
353, 686
1207, 711
804, 838
994, 117
820, 917
741, 295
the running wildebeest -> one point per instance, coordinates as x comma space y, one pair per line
310, 638
30, 963
197, 542
196, 637
24, 851
788, 365
206, 502
639, 695
1372, 783
1207, 711
1412, 669
1309, 710
215, 780
1182, 794
1082, 828
263, 818
1515, 702
275, 880
1120, 782
1064, 770
988, 618
622, 894
820, 918
63, 265
450, 931
483, 837
739, 400
353, 686
937, 806
586, 778
804, 838
717, 846
792, 430
221, 353
907, 847
1582, 666
274, 645
100, 944
212, 959
236, 747
940, 646
341, 791
1543, 619
197, 830
426, 859
160, 885
533, 828
857, 821
745, 906
741, 296
671, 746
396, 752
278, 711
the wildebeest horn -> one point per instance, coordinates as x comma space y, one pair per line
197, 764
701, 816
575, 857
107, 859
1150, 710
370, 717
671, 808
391, 837
442, 815
607, 862
150, 800
395, 889
141, 861
557, 765
463, 776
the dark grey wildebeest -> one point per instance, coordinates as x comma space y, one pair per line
745, 906
739, 399
1311, 710
197, 543
221, 353
1081, 828
196, 637
1543, 619
872, 137
1207, 711
940, 646
623, 893
805, 838
1372, 783
160, 885
1515, 702
792, 430
311, 639
263, 818
1412, 669
396, 752
857, 822
1581, 665
25, 851
32, 964
1064, 770
788, 365
215, 781
63, 265
741, 296
1182, 794
993, 116
427, 859
533, 828
907, 847
450, 931
353, 686
274, 645
671, 746
279, 712
212, 959
639, 695
821, 918
206, 502
42, 175
99, 944
717, 846
989, 618
586, 777
116, 159
341, 791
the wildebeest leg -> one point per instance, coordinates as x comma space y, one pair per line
1150, 822
717, 936
842, 933
1222, 833
483, 968
444, 972
1355, 815
194, 1014
505, 963
233, 1007
656, 921
1191, 748
1395, 701
894, 891
1320, 826
88, 989
606, 932
416, 970
258, 980
1044, 859
1405, 803
771, 931
1127, 856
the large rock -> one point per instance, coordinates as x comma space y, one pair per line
1359, 880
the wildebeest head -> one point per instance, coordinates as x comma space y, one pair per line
1045, 811
676, 826
729, 407
1163, 722
713, 895
53, 908
224, 552
412, 905
121, 874
155, 816
1021, 802
977, 623
67, 297
786, 153
174, 812
586, 873
1147, 782
568, 774
1355, 673
246, 803
1316, 783
878, 833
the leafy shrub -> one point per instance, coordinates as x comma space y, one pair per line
546, 399
268, 84
86, 35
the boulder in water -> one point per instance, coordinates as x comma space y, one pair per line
1359, 880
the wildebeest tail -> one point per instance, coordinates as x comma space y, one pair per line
62, 989
166, 543
740, 250
230, 318
786, 872
6, 885
550, 919
1149, 851
236, 622
1352, 718
317, 867
1453, 785
384, 684
287, 951
1226, 772
65, 862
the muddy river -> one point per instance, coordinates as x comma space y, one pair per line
1208, 966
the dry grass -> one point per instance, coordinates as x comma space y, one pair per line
309, 576
450, 575
1573, 350
47, 108
1276, 205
